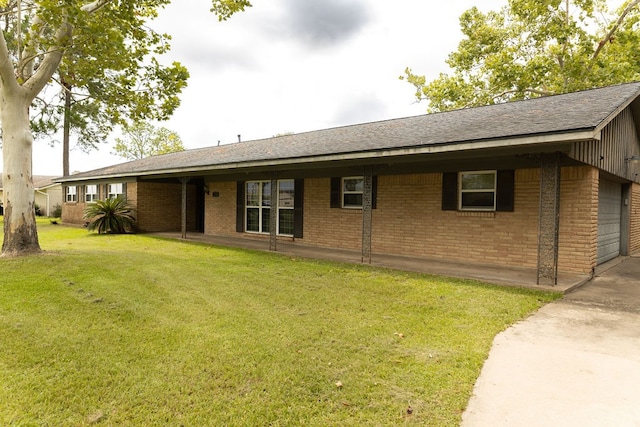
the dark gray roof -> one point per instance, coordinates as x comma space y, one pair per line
573, 112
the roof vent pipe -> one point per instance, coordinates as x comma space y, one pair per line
239, 138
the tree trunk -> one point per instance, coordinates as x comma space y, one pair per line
20, 233
66, 128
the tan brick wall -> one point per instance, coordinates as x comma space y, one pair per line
578, 239
634, 234
327, 227
409, 220
73, 213
159, 206
220, 212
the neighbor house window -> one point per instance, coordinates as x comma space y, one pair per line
352, 189
90, 193
71, 194
477, 190
114, 191
258, 207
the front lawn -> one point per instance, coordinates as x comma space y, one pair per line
135, 330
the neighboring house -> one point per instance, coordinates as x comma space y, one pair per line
47, 193
550, 184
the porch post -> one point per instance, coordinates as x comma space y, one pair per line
184, 181
273, 214
367, 207
549, 219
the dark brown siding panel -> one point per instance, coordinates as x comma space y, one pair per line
450, 191
335, 192
505, 190
298, 208
240, 207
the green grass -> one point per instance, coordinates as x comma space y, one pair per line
134, 330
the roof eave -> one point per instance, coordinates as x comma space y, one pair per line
531, 140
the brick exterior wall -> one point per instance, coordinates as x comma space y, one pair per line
220, 212
159, 207
634, 230
73, 212
578, 239
409, 220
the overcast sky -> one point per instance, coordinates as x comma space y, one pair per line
293, 66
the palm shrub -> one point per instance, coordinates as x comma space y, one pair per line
110, 216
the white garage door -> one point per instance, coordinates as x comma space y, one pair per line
609, 215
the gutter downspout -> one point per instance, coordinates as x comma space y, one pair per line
47, 196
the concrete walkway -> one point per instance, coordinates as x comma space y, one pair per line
576, 362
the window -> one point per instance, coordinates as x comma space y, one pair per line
258, 207
285, 207
71, 194
114, 191
352, 188
477, 190
90, 193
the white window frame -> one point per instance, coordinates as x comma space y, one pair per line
261, 208
90, 196
71, 194
344, 192
115, 190
462, 191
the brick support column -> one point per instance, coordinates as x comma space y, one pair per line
183, 218
367, 208
549, 219
273, 214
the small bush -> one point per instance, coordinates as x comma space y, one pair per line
57, 211
38, 210
111, 216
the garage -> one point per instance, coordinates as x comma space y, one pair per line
609, 220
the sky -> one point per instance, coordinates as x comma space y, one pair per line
292, 66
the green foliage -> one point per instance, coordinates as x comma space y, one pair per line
57, 211
225, 8
138, 331
121, 82
533, 48
144, 140
112, 63
113, 216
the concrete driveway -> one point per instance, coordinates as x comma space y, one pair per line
575, 362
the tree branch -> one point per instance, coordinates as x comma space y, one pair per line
529, 90
36, 82
95, 6
50, 63
7, 73
609, 35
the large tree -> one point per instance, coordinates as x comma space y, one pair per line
142, 140
533, 48
58, 35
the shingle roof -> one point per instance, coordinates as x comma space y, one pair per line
573, 112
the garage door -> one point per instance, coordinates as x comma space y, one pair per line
609, 215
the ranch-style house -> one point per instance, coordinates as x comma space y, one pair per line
550, 184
